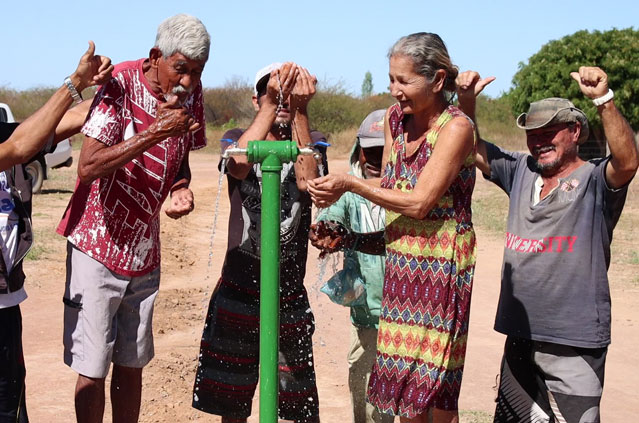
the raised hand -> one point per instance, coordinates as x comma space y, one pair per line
469, 85
592, 81
303, 90
172, 119
470, 82
281, 82
92, 69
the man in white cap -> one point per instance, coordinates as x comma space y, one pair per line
228, 370
356, 226
554, 304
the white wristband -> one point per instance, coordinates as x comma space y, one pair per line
604, 98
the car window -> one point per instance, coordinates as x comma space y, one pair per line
3, 115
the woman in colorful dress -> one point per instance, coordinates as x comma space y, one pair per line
426, 188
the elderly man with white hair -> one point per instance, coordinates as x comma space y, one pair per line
140, 129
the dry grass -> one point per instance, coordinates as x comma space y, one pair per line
341, 143
213, 135
624, 268
513, 139
55, 194
489, 206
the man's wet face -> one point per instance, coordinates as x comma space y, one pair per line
178, 75
283, 117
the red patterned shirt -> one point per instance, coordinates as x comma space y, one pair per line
115, 220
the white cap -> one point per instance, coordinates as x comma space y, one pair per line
266, 70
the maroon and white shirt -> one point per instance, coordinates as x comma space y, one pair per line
115, 220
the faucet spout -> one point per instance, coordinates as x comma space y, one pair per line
308, 151
233, 151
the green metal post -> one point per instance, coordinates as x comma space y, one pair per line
270, 154
270, 288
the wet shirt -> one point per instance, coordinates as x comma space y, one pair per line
242, 261
556, 252
115, 220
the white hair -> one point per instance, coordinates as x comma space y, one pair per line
183, 34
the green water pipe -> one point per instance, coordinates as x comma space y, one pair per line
271, 155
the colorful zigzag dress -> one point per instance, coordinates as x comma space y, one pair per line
430, 264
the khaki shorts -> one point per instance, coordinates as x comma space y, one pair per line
107, 316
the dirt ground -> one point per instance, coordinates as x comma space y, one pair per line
191, 265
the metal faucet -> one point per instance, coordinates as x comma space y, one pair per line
308, 151
233, 151
237, 151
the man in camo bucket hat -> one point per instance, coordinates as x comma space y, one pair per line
554, 305
552, 111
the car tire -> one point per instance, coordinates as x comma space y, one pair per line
36, 173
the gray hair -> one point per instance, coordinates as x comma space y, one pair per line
183, 34
429, 54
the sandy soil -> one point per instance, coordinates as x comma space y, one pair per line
187, 281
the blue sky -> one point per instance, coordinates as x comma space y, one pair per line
338, 41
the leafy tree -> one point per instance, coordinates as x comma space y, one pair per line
547, 73
367, 85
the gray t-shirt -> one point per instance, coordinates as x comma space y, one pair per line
554, 279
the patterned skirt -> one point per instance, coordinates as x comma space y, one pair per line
228, 368
423, 329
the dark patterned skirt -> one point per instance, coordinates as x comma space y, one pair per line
227, 373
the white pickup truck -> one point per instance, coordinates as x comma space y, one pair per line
39, 168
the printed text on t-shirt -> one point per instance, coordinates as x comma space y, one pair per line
550, 244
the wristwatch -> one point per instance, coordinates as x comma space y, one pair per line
74, 93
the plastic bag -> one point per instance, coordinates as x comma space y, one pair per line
346, 287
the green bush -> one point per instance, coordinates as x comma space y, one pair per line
547, 73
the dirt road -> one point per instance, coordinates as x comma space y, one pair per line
187, 281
